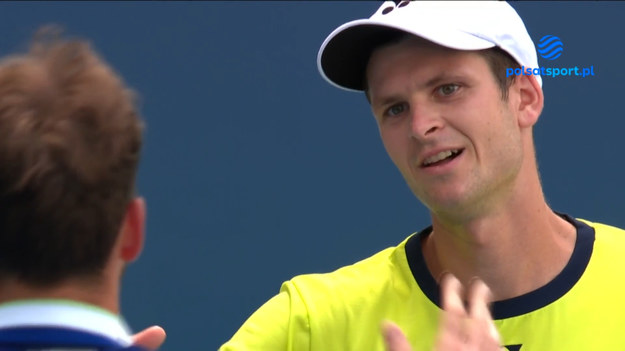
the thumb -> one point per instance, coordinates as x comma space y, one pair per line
394, 338
150, 338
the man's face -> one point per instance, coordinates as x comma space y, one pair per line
445, 126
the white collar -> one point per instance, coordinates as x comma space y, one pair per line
66, 314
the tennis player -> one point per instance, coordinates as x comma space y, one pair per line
460, 133
70, 137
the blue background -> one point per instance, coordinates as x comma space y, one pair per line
255, 169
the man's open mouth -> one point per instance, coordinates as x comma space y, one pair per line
441, 157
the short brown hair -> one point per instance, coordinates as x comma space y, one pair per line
70, 138
499, 60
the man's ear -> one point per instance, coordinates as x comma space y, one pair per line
531, 100
132, 233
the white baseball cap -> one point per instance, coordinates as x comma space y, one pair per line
460, 25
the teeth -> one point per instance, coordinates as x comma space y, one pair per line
439, 156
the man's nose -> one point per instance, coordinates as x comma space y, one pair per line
424, 121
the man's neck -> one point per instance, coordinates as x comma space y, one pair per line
515, 249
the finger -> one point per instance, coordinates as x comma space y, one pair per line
452, 325
394, 338
479, 298
150, 338
451, 295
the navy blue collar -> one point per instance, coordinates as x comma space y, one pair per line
519, 305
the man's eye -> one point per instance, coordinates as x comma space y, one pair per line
448, 89
395, 110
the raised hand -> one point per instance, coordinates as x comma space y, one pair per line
462, 327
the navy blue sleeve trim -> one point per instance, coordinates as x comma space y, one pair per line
523, 304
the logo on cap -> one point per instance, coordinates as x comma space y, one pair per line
550, 47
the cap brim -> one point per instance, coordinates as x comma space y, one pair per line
343, 57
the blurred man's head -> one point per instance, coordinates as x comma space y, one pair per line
70, 138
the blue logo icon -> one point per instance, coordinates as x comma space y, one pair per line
550, 47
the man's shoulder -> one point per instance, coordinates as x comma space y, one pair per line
608, 246
605, 232
353, 299
374, 273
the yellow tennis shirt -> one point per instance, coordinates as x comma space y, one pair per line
583, 308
